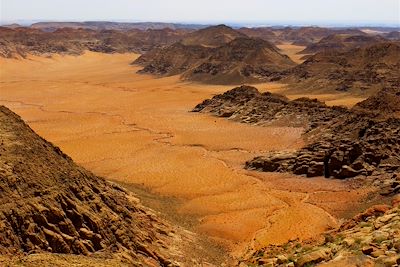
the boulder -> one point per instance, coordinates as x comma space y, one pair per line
314, 257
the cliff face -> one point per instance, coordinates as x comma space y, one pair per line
48, 204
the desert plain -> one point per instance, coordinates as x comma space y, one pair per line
137, 130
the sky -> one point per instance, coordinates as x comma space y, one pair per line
368, 12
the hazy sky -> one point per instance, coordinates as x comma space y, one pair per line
248, 11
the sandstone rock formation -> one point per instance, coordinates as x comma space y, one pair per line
48, 204
217, 55
342, 143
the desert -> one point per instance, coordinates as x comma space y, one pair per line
168, 144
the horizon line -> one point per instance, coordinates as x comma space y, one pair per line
277, 23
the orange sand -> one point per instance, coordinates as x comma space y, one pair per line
137, 129
291, 51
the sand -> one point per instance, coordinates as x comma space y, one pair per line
137, 130
291, 51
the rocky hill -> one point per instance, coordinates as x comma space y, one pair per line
308, 35
242, 59
20, 42
371, 68
174, 59
342, 42
213, 36
48, 204
385, 101
299, 36
341, 143
394, 35
265, 33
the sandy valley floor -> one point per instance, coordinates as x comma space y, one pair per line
137, 130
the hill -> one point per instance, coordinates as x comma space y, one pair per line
213, 36
241, 59
342, 42
359, 70
386, 101
394, 35
299, 35
48, 204
342, 143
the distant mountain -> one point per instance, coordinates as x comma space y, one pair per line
107, 25
298, 36
394, 35
20, 42
342, 42
370, 67
218, 55
213, 36
265, 33
12, 26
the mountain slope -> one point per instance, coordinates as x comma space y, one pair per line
48, 204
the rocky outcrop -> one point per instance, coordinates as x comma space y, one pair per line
385, 102
48, 204
246, 104
342, 143
357, 146
371, 238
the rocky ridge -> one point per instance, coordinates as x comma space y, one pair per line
48, 204
341, 143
